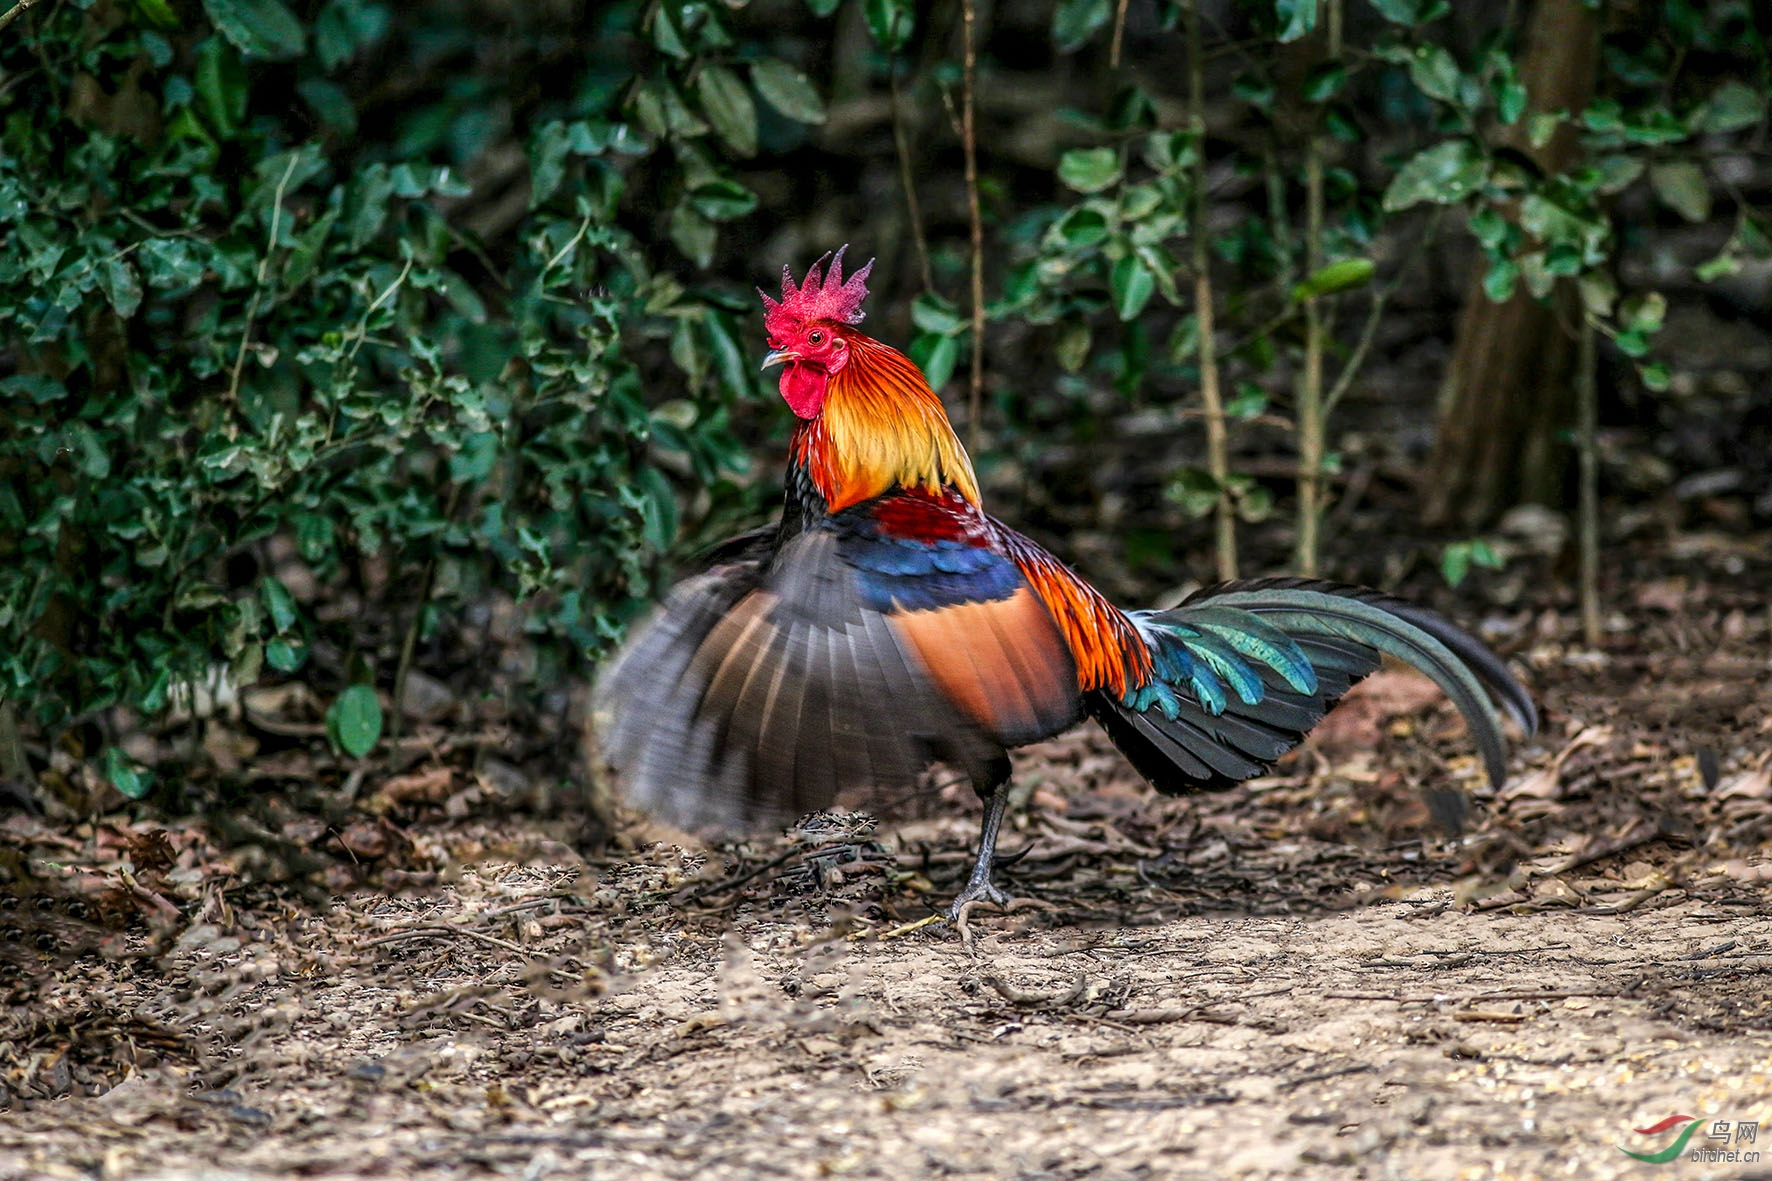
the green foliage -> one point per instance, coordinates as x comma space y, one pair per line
317, 277
225, 318
1679, 85
354, 722
1457, 559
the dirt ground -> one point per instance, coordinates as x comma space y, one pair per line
477, 1031
1301, 978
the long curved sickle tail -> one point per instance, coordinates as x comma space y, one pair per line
1243, 670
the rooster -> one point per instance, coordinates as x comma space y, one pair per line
887, 621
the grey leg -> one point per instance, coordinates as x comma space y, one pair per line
979, 887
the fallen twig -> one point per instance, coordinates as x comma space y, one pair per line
1035, 1000
1164, 1016
721, 885
1506, 995
1319, 1076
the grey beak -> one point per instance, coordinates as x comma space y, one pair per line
780, 356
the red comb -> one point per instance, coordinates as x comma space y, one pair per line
827, 297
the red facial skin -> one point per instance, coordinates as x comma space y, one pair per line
811, 354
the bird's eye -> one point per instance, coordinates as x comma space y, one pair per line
816, 338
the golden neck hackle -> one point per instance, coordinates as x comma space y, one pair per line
881, 427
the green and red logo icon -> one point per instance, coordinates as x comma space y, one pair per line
1672, 1150
1717, 1146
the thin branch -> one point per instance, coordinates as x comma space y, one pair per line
975, 216
1119, 34
1217, 447
1586, 444
362, 330
16, 11
1311, 424
913, 208
1380, 301
264, 270
1313, 413
584, 228
409, 643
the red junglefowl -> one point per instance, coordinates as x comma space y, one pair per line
888, 621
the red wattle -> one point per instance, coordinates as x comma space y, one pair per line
803, 387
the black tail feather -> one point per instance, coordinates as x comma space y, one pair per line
1344, 631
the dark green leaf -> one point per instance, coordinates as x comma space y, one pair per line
665, 34
330, 104
1072, 345
1194, 490
1323, 82
1184, 341
1733, 107
1644, 312
1489, 227
285, 655
1074, 22
354, 721
122, 285
1443, 174
258, 28
474, 460
728, 106
1255, 89
221, 86
1500, 279
936, 355
1599, 292
722, 200
734, 369
1082, 228
1505, 85
126, 775
1682, 186
1089, 170
787, 90
1249, 400
1617, 172
279, 603
547, 161
932, 313
1296, 17
1412, 13
693, 234
1255, 502
157, 13
1133, 287
39, 387
890, 21
1455, 562
1435, 73
1342, 275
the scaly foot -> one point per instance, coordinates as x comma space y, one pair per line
978, 890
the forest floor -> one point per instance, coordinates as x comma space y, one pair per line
1300, 978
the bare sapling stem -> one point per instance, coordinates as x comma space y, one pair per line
1217, 445
975, 215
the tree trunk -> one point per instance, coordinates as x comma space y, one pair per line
1508, 393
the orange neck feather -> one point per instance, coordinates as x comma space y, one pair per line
881, 427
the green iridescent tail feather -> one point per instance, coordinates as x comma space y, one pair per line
1243, 670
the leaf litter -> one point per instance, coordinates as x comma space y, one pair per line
424, 968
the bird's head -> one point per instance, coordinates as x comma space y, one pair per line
809, 330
